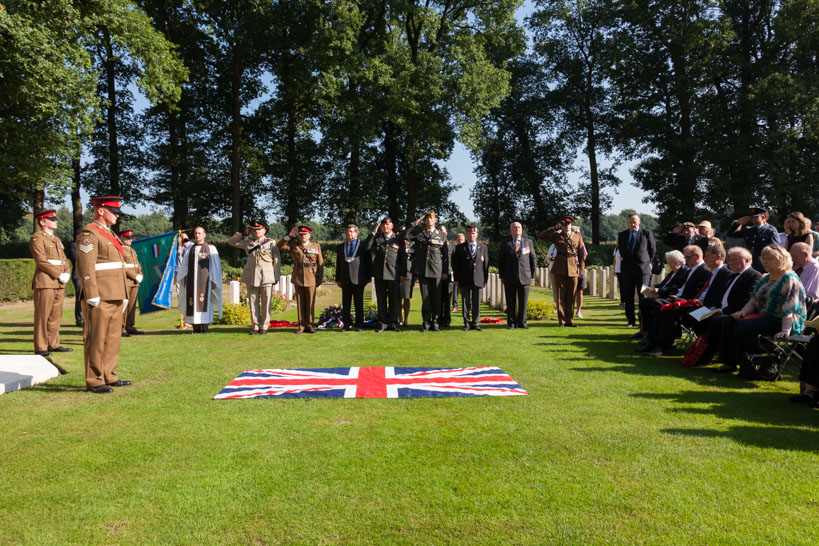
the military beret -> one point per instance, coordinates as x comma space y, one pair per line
47, 214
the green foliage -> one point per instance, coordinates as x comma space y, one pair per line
229, 272
540, 309
278, 303
235, 314
15, 280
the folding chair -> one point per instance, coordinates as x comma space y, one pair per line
792, 347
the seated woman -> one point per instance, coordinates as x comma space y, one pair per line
797, 230
777, 306
668, 286
809, 374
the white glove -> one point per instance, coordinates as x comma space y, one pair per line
93, 302
64, 277
139, 277
124, 305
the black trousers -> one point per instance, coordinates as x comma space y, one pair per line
810, 363
471, 303
633, 281
77, 302
387, 294
517, 297
431, 298
446, 311
356, 294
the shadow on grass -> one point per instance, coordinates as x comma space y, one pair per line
50, 388
21, 324
791, 439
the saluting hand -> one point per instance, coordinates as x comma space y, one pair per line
293, 233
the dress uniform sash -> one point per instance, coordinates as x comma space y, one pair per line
114, 241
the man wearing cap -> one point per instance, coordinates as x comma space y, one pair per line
101, 270
389, 265
757, 232
516, 268
569, 263
470, 271
200, 283
430, 265
261, 272
308, 273
133, 276
352, 275
50, 275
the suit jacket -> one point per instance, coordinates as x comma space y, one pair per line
469, 271
639, 261
263, 260
49, 258
718, 286
100, 263
695, 281
357, 270
388, 263
431, 258
308, 263
672, 283
679, 241
741, 291
512, 267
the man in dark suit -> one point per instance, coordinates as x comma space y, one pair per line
516, 268
352, 275
637, 249
470, 270
388, 268
430, 266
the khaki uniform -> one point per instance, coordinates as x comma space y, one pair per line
261, 272
101, 272
132, 269
308, 274
569, 263
50, 261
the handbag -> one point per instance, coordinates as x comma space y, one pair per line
760, 368
692, 356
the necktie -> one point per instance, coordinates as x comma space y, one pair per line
632, 241
472, 249
517, 247
701, 294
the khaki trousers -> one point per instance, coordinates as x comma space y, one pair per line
130, 313
565, 288
48, 313
101, 337
259, 299
305, 303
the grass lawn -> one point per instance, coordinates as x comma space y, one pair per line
609, 446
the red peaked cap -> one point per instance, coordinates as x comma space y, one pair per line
111, 203
47, 214
305, 229
127, 233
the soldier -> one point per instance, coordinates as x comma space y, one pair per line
389, 266
430, 265
568, 266
308, 273
261, 272
133, 276
757, 235
470, 271
445, 318
49, 280
407, 280
101, 270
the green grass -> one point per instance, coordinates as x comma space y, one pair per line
609, 447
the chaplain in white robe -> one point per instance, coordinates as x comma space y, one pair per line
200, 283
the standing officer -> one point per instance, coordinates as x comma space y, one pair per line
308, 273
430, 265
758, 234
101, 269
50, 275
352, 275
470, 271
407, 280
516, 268
388, 268
568, 266
133, 276
261, 272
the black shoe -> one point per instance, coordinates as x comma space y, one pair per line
806, 399
135, 332
467, 328
262, 332
100, 389
510, 326
526, 326
80, 323
645, 348
436, 328
396, 329
253, 333
631, 325
380, 329
477, 328
571, 325
638, 335
126, 334
425, 327
725, 369
42, 353
61, 349
119, 383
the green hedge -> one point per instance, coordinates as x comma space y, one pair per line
15, 280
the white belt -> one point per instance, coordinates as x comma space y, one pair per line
56, 262
129, 266
108, 265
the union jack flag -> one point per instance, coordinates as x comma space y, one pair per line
372, 382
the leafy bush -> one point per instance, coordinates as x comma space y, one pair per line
15, 280
278, 304
540, 309
230, 273
235, 314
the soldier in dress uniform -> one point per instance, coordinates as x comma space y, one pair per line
569, 264
430, 265
49, 280
261, 272
101, 270
389, 266
757, 235
133, 276
445, 318
308, 273
407, 280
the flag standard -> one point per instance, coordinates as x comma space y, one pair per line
157, 256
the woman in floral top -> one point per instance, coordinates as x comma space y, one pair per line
776, 307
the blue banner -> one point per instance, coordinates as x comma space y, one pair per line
157, 256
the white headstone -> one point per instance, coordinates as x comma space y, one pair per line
21, 371
234, 289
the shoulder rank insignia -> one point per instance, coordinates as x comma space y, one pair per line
86, 247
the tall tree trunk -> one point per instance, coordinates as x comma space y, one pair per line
76, 200
37, 204
291, 207
391, 171
684, 142
111, 116
236, 144
412, 183
175, 159
591, 151
354, 183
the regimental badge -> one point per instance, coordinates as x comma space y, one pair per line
86, 232
436, 241
85, 248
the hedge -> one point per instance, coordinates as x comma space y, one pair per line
15, 280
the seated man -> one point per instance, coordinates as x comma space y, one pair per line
662, 333
807, 268
669, 285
